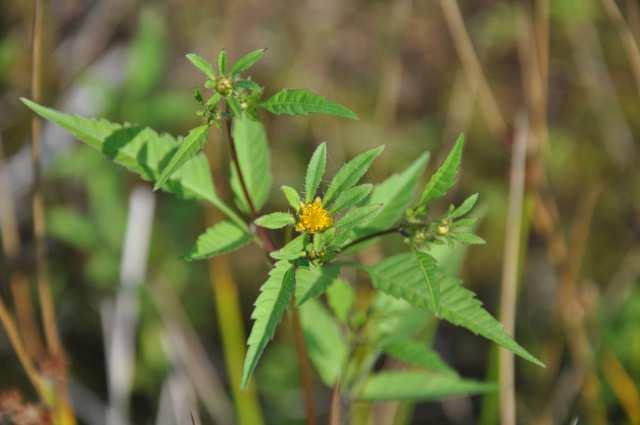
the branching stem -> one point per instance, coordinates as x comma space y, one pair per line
398, 230
268, 246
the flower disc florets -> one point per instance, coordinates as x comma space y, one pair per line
313, 218
224, 86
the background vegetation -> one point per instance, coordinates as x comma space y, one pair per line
564, 74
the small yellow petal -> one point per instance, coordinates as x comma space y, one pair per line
313, 218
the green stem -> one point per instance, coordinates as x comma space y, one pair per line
370, 236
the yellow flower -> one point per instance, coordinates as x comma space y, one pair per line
313, 218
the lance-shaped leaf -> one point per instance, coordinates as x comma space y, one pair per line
465, 207
247, 61
326, 344
315, 172
445, 177
202, 64
294, 249
221, 238
141, 150
354, 217
400, 276
250, 139
417, 354
269, 308
395, 195
312, 281
468, 238
292, 197
304, 102
429, 269
419, 386
189, 147
276, 220
350, 174
222, 62
351, 197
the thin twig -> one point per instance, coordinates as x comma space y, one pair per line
510, 269
18, 282
16, 342
335, 418
472, 68
42, 273
623, 386
626, 37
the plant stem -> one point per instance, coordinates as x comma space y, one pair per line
19, 284
233, 338
335, 417
392, 230
267, 244
230, 324
261, 232
44, 289
63, 412
305, 368
16, 342
510, 270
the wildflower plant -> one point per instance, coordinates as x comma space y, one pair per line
328, 225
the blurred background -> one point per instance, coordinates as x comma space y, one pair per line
141, 332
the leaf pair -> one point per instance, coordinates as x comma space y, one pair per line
145, 152
443, 179
243, 64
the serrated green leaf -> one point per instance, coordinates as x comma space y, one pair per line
202, 64
340, 297
429, 269
221, 238
351, 197
312, 281
400, 277
350, 174
445, 177
350, 220
417, 354
292, 197
394, 319
247, 61
222, 62
326, 345
315, 172
189, 147
304, 102
291, 251
276, 220
468, 238
395, 195
465, 207
141, 150
419, 386
250, 139
269, 308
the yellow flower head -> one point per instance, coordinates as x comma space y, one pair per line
313, 218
